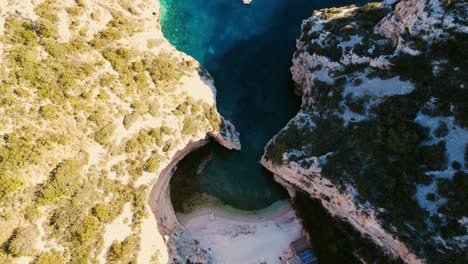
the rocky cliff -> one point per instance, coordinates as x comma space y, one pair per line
94, 104
381, 137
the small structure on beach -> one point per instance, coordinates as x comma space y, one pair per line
302, 252
299, 245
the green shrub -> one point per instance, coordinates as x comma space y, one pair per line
103, 212
139, 205
196, 107
274, 151
144, 139
56, 49
49, 257
166, 130
141, 80
80, 3
47, 10
356, 104
130, 119
434, 156
402, 139
48, 112
25, 58
63, 181
157, 134
99, 117
18, 152
22, 241
105, 36
89, 228
331, 12
103, 95
431, 197
8, 184
103, 135
132, 145
118, 58
182, 109
75, 11
442, 130
190, 126
21, 92
456, 165
31, 213
20, 31
212, 115
163, 69
46, 29
138, 66
126, 6
134, 169
125, 251
332, 51
152, 164
6, 258
168, 146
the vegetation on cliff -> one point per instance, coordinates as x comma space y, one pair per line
388, 117
91, 106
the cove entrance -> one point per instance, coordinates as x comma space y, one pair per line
248, 50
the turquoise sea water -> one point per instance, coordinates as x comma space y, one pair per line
248, 51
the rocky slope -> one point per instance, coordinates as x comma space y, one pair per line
381, 137
94, 104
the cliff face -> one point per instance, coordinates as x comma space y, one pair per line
94, 104
381, 138
429, 20
341, 204
181, 246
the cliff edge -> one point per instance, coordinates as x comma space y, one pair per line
381, 137
94, 104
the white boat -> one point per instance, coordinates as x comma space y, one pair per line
247, 2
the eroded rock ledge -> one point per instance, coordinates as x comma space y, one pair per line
227, 136
180, 244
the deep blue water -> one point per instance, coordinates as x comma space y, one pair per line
248, 52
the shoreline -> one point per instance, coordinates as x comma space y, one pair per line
276, 210
159, 198
261, 236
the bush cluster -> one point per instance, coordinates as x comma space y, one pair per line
125, 251
63, 181
22, 242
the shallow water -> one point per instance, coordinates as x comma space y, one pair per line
248, 51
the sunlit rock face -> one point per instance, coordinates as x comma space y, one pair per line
381, 137
94, 104
430, 20
227, 136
